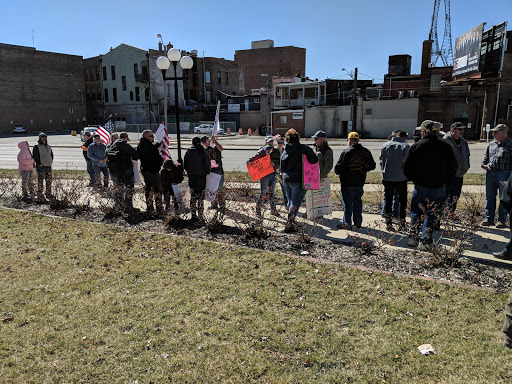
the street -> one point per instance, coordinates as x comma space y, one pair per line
237, 149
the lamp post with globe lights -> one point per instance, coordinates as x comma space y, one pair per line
163, 63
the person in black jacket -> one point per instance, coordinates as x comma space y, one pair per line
171, 174
150, 164
352, 166
122, 174
430, 164
291, 168
197, 165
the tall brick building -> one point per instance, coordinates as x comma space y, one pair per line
264, 58
40, 90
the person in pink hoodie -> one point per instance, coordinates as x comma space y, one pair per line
26, 166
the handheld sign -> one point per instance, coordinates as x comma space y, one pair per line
310, 175
260, 167
319, 203
212, 185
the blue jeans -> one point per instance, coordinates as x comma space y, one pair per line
98, 171
294, 194
426, 203
495, 182
453, 191
352, 205
91, 172
267, 188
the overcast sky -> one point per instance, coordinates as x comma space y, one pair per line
336, 33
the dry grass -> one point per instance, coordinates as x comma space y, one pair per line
83, 302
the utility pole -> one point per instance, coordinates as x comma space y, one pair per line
354, 102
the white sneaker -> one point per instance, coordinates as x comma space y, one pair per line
412, 242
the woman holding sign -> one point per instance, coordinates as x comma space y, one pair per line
268, 182
291, 168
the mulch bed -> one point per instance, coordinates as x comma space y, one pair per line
478, 273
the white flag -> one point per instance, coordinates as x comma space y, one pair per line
216, 124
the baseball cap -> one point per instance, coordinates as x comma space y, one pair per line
458, 125
353, 135
500, 127
95, 136
431, 125
269, 139
319, 134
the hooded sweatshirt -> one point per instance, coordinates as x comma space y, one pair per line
291, 161
25, 159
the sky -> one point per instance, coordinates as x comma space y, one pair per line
336, 33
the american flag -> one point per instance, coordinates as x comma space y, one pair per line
104, 135
162, 137
105, 130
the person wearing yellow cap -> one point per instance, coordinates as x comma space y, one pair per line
352, 166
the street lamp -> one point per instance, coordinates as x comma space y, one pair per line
269, 90
163, 63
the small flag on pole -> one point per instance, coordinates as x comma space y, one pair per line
162, 137
216, 124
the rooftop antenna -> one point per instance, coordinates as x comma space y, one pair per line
33, 40
445, 53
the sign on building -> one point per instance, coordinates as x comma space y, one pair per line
233, 107
298, 115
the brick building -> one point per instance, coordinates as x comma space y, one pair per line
209, 80
40, 90
264, 58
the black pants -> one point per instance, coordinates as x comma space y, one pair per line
390, 188
197, 186
153, 187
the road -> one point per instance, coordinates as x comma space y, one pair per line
238, 149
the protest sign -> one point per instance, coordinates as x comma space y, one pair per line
212, 185
260, 167
182, 195
319, 202
310, 175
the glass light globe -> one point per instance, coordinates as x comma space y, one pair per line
163, 63
174, 54
186, 62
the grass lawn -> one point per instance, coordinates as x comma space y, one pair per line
85, 302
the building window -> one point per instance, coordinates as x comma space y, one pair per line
256, 101
123, 81
114, 94
219, 80
282, 119
368, 112
435, 83
146, 93
227, 78
230, 101
135, 69
97, 73
113, 72
98, 94
461, 110
131, 95
104, 73
208, 96
207, 77
137, 93
106, 94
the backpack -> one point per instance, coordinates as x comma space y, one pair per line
117, 159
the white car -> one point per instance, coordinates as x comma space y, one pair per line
87, 129
207, 128
19, 129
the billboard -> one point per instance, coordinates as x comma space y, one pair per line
467, 52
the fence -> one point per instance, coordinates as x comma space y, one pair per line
185, 127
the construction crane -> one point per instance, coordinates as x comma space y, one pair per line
445, 53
